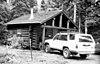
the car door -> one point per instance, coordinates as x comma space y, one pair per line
62, 41
67, 40
55, 41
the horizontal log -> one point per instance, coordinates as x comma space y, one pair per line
58, 27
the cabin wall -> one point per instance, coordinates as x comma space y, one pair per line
33, 32
27, 32
36, 35
21, 31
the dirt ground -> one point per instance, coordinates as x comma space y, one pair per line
18, 56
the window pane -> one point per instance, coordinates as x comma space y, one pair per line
72, 36
85, 39
56, 37
63, 37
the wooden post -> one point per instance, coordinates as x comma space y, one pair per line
74, 12
43, 36
30, 42
68, 24
68, 29
53, 22
79, 24
60, 23
86, 27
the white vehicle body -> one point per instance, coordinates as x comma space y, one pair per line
79, 43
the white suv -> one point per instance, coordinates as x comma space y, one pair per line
71, 44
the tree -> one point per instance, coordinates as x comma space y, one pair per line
4, 17
86, 9
22, 7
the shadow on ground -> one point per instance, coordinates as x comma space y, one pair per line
97, 54
74, 57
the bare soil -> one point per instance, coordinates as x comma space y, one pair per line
18, 56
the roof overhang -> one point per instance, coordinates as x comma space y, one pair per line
38, 18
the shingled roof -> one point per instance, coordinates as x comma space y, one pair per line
38, 18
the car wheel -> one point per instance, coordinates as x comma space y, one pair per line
83, 56
66, 53
47, 48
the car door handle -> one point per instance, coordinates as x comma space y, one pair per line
86, 45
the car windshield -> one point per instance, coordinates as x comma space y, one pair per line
85, 39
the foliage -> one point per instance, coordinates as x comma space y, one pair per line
4, 17
20, 7
4, 13
3, 34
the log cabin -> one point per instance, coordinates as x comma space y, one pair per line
44, 25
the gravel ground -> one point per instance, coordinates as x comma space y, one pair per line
16, 56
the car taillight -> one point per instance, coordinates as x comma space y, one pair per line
76, 46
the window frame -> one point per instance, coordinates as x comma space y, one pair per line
56, 38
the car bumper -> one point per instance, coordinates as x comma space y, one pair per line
86, 52
91, 51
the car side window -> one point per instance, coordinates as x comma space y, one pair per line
63, 37
72, 36
56, 37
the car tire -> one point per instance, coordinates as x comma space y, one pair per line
84, 56
66, 53
47, 48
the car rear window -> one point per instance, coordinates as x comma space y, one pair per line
85, 39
